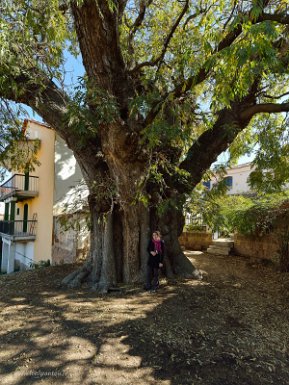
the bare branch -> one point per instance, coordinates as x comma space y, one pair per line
42, 95
196, 14
276, 97
98, 34
191, 17
121, 8
281, 18
170, 35
231, 15
155, 61
144, 4
181, 89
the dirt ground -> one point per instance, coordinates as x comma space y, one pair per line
231, 328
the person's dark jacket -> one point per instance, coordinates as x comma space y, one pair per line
155, 260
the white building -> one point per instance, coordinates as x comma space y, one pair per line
236, 179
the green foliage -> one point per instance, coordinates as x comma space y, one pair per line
33, 34
160, 58
237, 213
249, 217
195, 228
232, 70
17, 151
22, 155
40, 264
79, 117
10, 123
272, 156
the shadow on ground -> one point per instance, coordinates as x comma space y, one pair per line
229, 329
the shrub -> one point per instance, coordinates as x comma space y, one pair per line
40, 264
196, 228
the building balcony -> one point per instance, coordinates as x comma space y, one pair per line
19, 230
19, 186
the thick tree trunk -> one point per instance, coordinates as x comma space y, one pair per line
171, 225
119, 242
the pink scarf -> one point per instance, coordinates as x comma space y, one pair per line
158, 246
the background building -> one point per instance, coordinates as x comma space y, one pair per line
70, 208
33, 228
236, 179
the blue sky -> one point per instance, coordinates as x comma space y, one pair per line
223, 158
73, 70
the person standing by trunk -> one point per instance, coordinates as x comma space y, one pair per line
156, 250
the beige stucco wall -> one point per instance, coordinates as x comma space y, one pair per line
195, 240
70, 235
70, 192
71, 241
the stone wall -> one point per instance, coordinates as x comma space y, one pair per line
195, 240
265, 247
70, 238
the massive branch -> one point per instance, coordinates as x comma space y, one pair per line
211, 143
41, 94
205, 150
97, 30
264, 108
52, 104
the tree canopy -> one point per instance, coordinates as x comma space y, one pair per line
176, 68
168, 86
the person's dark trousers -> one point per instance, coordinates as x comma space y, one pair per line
152, 278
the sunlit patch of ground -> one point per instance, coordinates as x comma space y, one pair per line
231, 328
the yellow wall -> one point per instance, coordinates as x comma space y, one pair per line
42, 205
57, 172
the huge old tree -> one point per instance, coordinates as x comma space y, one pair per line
168, 86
